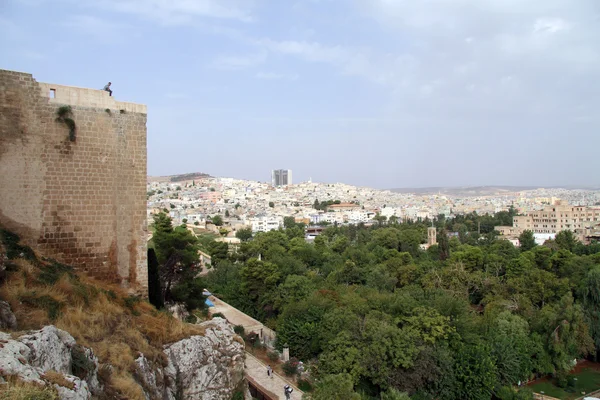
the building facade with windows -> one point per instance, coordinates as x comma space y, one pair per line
555, 218
281, 177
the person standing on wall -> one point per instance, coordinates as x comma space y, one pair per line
107, 88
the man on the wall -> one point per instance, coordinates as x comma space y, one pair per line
107, 88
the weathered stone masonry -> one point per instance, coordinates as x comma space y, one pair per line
82, 202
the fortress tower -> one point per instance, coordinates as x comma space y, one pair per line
81, 198
431, 236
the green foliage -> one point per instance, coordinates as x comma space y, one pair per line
217, 220
305, 385
64, 115
81, 365
177, 254
273, 355
464, 320
238, 396
189, 292
244, 234
334, 387
218, 315
154, 289
566, 240
475, 372
239, 329
14, 249
51, 305
526, 240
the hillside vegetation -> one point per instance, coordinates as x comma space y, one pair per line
99, 315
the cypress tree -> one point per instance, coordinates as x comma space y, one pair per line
154, 290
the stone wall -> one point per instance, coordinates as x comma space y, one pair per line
81, 202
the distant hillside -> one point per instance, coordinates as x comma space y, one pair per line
179, 178
482, 190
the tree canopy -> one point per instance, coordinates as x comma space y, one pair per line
372, 314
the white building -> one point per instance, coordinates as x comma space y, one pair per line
265, 223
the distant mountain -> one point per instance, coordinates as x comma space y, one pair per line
483, 190
179, 178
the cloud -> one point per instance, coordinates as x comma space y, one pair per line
181, 12
228, 62
101, 29
351, 61
276, 77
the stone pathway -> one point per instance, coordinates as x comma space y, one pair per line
257, 371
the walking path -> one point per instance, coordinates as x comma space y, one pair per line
256, 372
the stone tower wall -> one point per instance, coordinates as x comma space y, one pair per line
80, 202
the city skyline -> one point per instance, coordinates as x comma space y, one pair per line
382, 93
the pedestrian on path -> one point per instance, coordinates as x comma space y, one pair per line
287, 390
269, 371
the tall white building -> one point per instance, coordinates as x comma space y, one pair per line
281, 177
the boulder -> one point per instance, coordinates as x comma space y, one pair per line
209, 367
33, 356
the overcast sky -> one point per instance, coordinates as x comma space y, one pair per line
381, 93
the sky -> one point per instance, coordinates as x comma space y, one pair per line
379, 93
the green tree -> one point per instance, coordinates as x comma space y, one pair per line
219, 251
443, 245
271, 204
154, 289
565, 332
590, 293
217, 220
334, 387
259, 281
386, 348
566, 240
289, 222
380, 219
244, 234
227, 213
393, 394
526, 240
513, 348
295, 288
176, 250
475, 372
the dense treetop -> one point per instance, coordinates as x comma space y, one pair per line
466, 319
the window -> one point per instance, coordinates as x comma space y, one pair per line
52, 93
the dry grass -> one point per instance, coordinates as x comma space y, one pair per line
57, 378
16, 389
127, 386
97, 314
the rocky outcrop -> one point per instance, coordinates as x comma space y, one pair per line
209, 367
46, 357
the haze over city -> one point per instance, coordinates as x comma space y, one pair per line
376, 93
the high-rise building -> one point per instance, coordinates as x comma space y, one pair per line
281, 177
